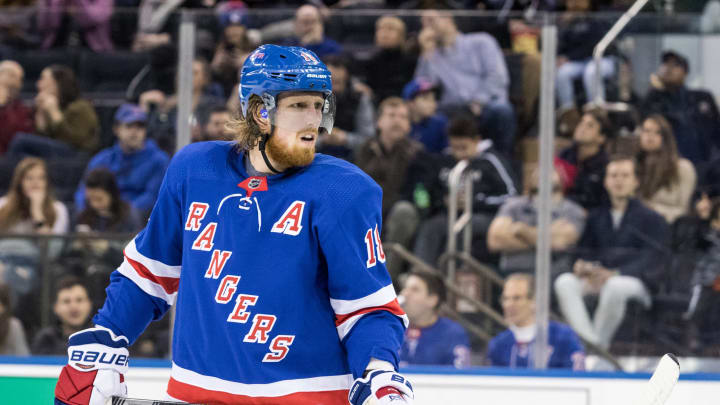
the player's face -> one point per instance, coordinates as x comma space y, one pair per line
517, 306
620, 179
417, 302
297, 122
650, 136
73, 306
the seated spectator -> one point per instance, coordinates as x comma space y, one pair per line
515, 346
29, 206
693, 114
702, 308
211, 126
386, 157
14, 115
621, 255
667, 180
513, 231
12, 333
428, 126
472, 72
431, 339
310, 32
60, 22
582, 165
72, 307
390, 66
105, 210
65, 123
354, 116
491, 189
162, 119
138, 164
234, 45
579, 33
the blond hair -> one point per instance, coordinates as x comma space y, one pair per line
245, 130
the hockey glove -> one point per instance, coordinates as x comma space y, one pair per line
98, 360
381, 387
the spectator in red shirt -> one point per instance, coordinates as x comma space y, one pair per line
14, 115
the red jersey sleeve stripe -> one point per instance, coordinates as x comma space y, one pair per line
169, 284
393, 307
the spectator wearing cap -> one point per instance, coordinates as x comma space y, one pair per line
354, 119
391, 65
14, 115
428, 126
137, 162
472, 72
234, 45
310, 32
693, 114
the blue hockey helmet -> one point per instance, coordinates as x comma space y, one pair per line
272, 69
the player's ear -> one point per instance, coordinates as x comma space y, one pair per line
260, 114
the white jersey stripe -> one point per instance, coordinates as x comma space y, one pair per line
150, 288
156, 267
274, 389
344, 328
376, 299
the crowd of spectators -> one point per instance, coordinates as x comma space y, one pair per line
415, 96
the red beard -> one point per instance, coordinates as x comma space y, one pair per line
289, 156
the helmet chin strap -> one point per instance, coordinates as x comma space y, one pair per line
263, 141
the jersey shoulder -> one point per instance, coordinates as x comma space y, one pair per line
201, 158
339, 179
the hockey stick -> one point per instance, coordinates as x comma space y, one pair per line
662, 382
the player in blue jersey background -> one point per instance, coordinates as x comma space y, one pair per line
515, 346
272, 257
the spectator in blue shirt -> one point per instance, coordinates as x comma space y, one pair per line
514, 347
431, 339
137, 162
428, 126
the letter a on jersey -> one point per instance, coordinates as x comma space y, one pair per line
291, 221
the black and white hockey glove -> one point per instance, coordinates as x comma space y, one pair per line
381, 387
98, 360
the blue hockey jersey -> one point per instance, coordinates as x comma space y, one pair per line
444, 343
566, 350
279, 282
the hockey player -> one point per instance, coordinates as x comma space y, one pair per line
272, 257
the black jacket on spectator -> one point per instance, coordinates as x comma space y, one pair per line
494, 184
588, 189
388, 71
694, 117
579, 36
638, 248
51, 341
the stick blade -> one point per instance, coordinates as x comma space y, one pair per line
662, 382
